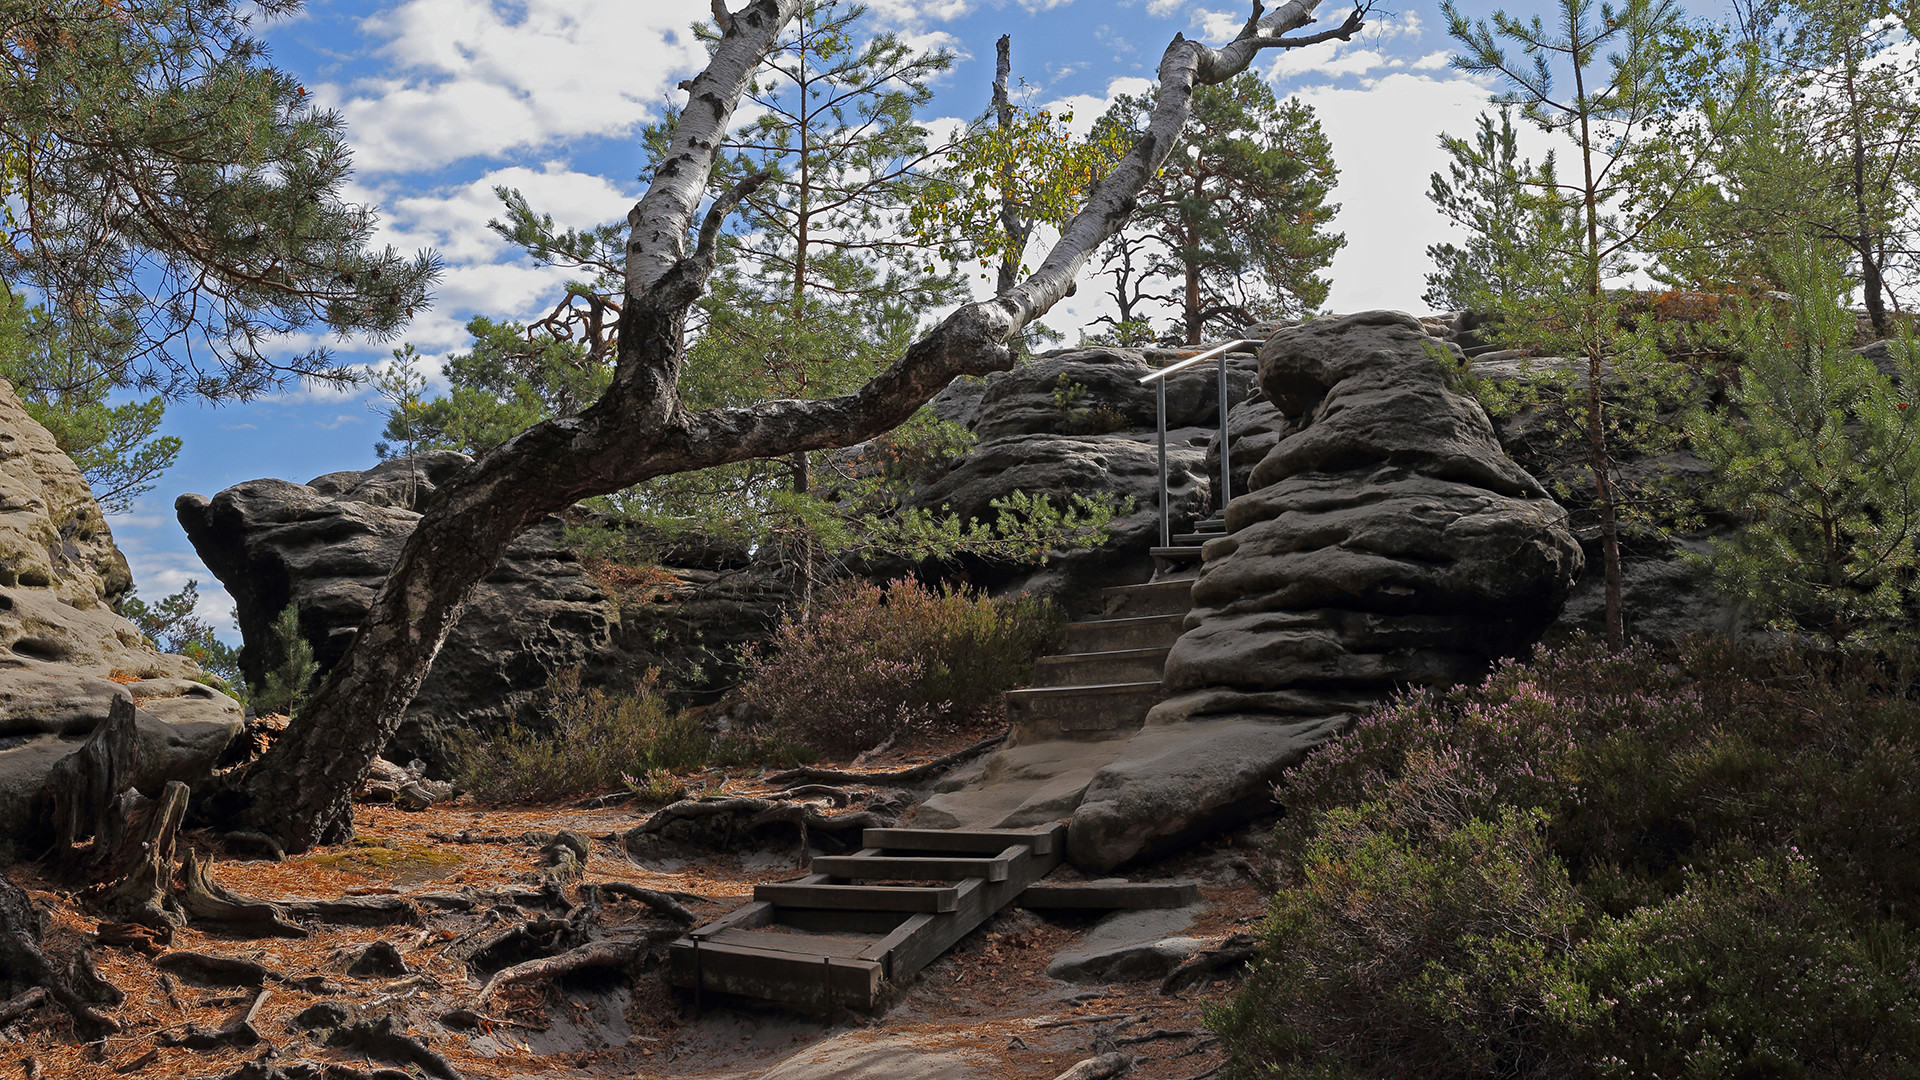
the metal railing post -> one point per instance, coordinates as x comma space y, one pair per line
1159, 379
1166, 521
1226, 455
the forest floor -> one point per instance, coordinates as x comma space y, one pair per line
986, 1008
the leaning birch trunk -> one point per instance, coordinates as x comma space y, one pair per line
300, 790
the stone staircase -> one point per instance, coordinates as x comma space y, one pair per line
1109, 676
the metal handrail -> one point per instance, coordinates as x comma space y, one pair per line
1159, 381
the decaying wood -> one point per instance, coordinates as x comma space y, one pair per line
601, 954
658, 901
237, 1033
125, 935
23, 1003
207, 900
1100, 1018
138, 877
1209, 963
909, 777
300, 790
358, 910
408, 788
83, 789
1104, 1067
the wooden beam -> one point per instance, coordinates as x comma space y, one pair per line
983, 841
859, 897
1111, 895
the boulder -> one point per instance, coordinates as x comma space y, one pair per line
1129, 945
326, 547
65, 654
1079, 421
1387, 540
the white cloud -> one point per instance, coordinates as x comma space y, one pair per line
474, 78
1329, 63
1160, 9
912, 14
1386, 143
1219, 27
1087, 108
1433, 61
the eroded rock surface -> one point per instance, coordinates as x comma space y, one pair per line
1080, 422
65, 655
1388, 540
326, 547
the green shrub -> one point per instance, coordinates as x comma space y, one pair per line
1750, 972
1603, 865
594, 740
1414, 948
876, 663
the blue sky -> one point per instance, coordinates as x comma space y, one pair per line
445, 99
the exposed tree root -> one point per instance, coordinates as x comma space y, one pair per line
384, 1040
25, 969
1104, 1067
899, 777
208, 970
1208, 964
658, 901
600, 954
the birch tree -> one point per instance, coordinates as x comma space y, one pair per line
300, 790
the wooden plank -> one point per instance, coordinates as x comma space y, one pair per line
1111, 895
982, 841
746, 917
978, 901
916, 868
838, 922
858, 897
772, 975
814, 945
910, 928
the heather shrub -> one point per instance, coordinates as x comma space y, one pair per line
1749, 972
1715, 841
594, 740
1422, 941
876, 663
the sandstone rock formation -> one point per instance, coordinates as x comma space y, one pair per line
326, 547
64, 654
1079, 421
1388, 540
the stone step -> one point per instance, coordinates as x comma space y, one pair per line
1170, 596
1135, 632
1090, 669
1078, 712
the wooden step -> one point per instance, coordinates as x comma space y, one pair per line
859, 897
815, 980
1045, 840
1093, 669
1138, 632
1111, 895
872, 865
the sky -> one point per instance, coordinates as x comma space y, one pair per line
446, 99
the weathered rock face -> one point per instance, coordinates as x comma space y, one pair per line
1388, 540
1079, 421
64, 654
326, 547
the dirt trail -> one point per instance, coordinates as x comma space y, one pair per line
986, 1008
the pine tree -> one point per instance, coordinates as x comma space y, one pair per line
1240, 211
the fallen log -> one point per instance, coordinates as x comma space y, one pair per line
1104, 1067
